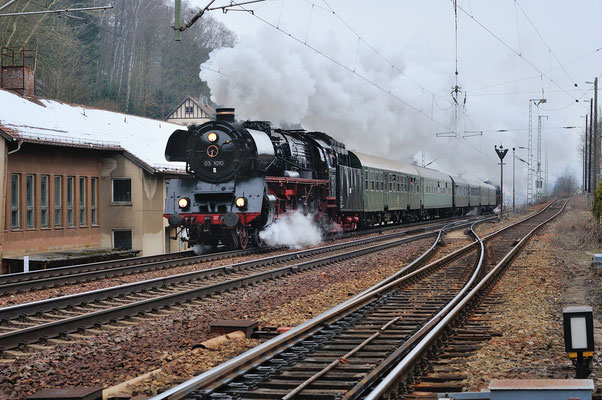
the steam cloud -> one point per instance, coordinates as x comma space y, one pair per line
267, 76
293, 229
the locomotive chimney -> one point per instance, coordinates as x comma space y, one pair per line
224, 114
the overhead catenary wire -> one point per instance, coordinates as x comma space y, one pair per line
545, 43
471, 16
373, 49
340, 64
535, 76
362, 77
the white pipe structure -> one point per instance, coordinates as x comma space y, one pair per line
66, 10
7, 4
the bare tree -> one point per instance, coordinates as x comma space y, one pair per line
566, 184
124, 59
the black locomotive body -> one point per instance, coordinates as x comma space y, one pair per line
243, 175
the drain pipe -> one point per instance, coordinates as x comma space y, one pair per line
19, 143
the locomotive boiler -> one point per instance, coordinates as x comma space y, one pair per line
243, 175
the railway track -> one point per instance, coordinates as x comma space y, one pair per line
24, 324
373, 344
50, 278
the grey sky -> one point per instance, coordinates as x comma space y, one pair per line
418, 37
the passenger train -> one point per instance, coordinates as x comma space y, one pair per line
242, 176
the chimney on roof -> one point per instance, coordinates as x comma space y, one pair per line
18, 70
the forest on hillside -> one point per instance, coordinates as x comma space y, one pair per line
122, 59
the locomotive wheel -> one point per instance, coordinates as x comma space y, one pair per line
243, 236
259, 242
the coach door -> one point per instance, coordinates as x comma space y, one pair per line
386, 190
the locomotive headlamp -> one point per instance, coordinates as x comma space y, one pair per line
183, 202
241, 202
212, 137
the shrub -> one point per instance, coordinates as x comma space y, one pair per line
597, 209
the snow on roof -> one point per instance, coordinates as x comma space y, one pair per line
61, 123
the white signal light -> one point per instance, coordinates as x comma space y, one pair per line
183, 202
240, 202
212, 137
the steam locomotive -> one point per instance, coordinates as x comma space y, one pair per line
241, 176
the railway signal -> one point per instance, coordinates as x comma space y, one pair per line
501, 153
578, 325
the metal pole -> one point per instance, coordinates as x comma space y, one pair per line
585, 156
591, 147
501, 188
501, 153
596, 141
530, 157
513, 176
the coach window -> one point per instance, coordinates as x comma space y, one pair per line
44, 201
30, 200
15, 188
122, 191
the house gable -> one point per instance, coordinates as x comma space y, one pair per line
191, 109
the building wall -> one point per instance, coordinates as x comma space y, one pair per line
50, 161
3, 167
188, 113
143, 215
188, 121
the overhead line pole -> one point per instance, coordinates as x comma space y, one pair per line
591, 146
596, 171
585, 157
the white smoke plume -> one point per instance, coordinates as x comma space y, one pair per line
270, 77
293, 229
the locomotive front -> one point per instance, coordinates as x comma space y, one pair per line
223, 197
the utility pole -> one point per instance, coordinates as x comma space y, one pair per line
591, 145
538, 178
501, 153
530, 155
596, 171
545, 191
585, 157
513, 176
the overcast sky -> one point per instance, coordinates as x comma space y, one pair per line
508, 52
